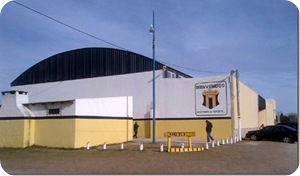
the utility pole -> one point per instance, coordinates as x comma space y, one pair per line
152, 30
233, 133
238, 104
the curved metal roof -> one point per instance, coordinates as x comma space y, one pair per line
86, 63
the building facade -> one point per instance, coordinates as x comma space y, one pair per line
94, 95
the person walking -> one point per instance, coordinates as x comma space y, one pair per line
209, 127
135, 129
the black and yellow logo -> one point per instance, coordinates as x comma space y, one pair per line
210, 98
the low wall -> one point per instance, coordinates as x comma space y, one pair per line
64, 132
13, 133
221, 127
100, 131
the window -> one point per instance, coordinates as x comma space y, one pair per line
279, 129
180, 76
268, 129
55, 111
171, 74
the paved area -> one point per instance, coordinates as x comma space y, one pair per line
245, 157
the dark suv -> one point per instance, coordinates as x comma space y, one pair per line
291, 124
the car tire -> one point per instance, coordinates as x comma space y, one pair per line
287, 139
253, 137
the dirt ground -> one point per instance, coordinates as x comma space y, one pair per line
245, 157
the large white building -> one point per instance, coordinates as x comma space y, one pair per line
94, 95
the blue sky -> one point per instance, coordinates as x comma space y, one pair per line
257, 37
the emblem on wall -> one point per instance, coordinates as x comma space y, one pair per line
211, 99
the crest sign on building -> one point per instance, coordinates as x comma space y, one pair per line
212, 99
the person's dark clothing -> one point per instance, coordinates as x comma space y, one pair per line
209, 130
135, 129
208, 126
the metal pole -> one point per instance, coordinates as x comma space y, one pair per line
232, 104
153, 88
238, 104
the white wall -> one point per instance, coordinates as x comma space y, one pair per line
174, 97
40, 109
111, 107
138, 85
271, 111
248, 107
107, 107
12, 104
180, 98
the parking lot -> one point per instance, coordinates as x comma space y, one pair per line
244, 157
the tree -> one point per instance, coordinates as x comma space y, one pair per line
293, 117
284, 118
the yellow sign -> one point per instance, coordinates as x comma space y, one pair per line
179, 134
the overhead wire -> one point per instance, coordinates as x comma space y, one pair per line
71, 27
192, 69
98, 38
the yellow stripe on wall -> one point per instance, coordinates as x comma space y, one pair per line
221, 127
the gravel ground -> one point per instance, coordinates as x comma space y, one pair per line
245, 157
